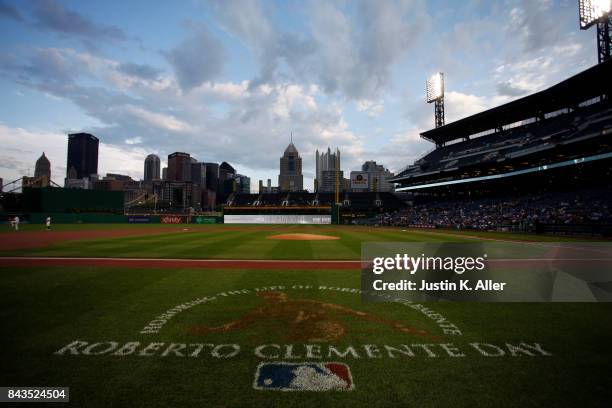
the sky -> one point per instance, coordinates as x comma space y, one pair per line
229, 80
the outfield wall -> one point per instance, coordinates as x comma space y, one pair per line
277, 219
100, 218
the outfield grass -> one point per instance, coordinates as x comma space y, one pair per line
42, 310
247, 242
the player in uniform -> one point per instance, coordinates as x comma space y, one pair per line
48, 223
16, 223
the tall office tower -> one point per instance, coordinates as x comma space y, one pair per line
198, 174
43, 168
243, 184
165, 173
326, 162
179, 167
82, 155
290, 177
226, 181
209, 190
152, 166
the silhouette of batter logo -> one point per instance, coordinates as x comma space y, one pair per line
305, 319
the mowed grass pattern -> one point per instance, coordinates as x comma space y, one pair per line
246, 242
43, 309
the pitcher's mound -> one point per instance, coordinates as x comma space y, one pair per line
302, 237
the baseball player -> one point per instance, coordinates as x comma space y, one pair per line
48, 223
16, 222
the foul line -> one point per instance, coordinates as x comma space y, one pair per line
181, 263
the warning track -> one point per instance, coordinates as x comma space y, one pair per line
180, 263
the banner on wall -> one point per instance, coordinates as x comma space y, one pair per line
171, 219
277, 219
139, 219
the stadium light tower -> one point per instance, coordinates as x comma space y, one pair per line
597, 12
435, 94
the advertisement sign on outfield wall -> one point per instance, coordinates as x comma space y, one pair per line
171, 219
139, 219
202, 219
277, 219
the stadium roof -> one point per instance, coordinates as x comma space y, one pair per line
586, 85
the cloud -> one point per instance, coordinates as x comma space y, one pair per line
533, 23
22, 147
198, 58
139, 70
251, 129
158, 120
527, 74
403, 149
9, 11
507, 88
49, 15
459, 105
372, 108
309, 69
345, 50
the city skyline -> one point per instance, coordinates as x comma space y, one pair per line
312, 68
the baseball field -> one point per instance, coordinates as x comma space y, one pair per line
222, 315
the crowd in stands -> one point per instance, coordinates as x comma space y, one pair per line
560, 135
518, 213
348, 200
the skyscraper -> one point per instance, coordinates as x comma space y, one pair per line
42, 168
198, 173
179, 167
326, 162
378, 176
209, 193
152, 166
82, 155
226, 181
290, 177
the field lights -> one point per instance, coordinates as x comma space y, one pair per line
435, 87
593, 11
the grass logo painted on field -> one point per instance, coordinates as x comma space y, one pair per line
306, 320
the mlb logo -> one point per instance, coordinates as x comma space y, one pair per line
279, 376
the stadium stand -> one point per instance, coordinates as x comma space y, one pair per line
355, 205
540, 163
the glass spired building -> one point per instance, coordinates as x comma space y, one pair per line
290, 177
